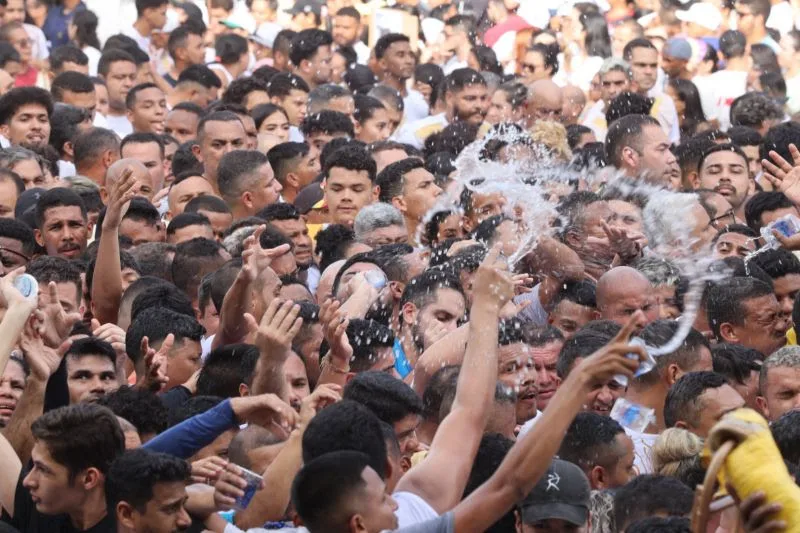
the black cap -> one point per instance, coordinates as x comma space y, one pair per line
25, 209
305, 6
307, 198
561, 493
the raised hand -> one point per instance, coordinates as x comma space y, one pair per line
492, 281
279, 326
230, 486
621, 244
208, 470
10, 295
112, 334
323, 396
784, 176
155, 377
612, 359
57, 322
120, 195
42, 360
265, 410
256, 259
334, 329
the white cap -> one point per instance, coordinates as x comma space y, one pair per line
702, 14
266, 33
241, 20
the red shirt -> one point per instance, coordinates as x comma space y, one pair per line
512, 23
27, 78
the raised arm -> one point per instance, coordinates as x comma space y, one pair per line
107, 280
554, 263
335, 366
440, 479
273, 338
529, 458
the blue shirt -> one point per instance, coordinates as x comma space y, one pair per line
401, 363
56, 24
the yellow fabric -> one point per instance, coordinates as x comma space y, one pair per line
755, 464
791, 337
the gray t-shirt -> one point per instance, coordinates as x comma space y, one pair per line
444, 524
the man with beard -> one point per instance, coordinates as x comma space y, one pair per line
724, 168
62, 223
91, 370
466, 99
287, 219
395, 62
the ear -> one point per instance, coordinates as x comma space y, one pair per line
292, 180
573, 239
681, 424
357, 524
91, 478
761, 403
517, 521
244, 390
357, 128
694, 180
246, 199
728, 333
396, 288
104, 195
672, 374
630, 157
37, 234
597, 477
129, 114
596, 314
409, 313
400, 203
4, 130
466, 223
376, 192
68, 149
196, 152
275, 100
125, 515
108, 158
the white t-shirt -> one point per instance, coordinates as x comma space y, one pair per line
415, 133
362, 52
793, 92
411, 509
642, 450
94, 58
717, 93
141, 40
527, 426
120, 125
595, 120
416, 108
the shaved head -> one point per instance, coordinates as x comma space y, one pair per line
574, 102
621, 292
545, 100
115, 171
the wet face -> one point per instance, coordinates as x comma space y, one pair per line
182, 125
398, 61
163, 513
319, 67
90, 377
376, 128
64, 232
612, 84
517, 371
29, 124
182, 193
666, 301
786, 289
622, 471
764, 326
568, 317
420, 193
629, 216
728, 174
184, 360
219, 139
500, 109
12, 385
712, 405
601, 398
625, 300
485, 206
120, 80
781, 392
768, 217
644, 66
49, 483
148, 154
444, 312
470, 104
297, 232
295, 105
384, 236
346, 192
294, 371
545, 359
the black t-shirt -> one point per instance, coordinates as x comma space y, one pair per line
28, 519
169, 79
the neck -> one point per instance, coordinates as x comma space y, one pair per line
289, 194
412, 226
652, 396
737, 64
395, 83
740, 211
116, 109
177, 68
91, 512
757, 35
240, 211
96, 173
306, 79
143, 27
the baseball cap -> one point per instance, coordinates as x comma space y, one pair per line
311, 197
240, 20
25, 209
702, 14
266, 33
561, 493
305, 6
678, 48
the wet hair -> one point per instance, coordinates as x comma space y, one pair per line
786, 432
142, 408
225, 369
735, 362
306, 43
732, 43
583, 293
778, 139
727, 298
388, 397
778, 263
282, 84
627, 131
327, 121
752, 109
13, 100
583, 344
574, 134
366, 337
648, 495
332, 243
683, 398
591, 440
156, 324
421, 290
628, 103
658, 333
238, 91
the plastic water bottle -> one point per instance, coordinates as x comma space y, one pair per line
644, 366
632, 415
787, 225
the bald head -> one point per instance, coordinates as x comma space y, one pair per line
115, 172
546, 100
574, 102
621, 292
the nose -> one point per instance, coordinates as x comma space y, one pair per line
605, 395
787, 305
543, 376
184, 520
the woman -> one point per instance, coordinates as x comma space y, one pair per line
83, 34
508, 103
687, 103
272, 124
588, 44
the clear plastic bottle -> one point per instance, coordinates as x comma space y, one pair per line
787, 225
632, 415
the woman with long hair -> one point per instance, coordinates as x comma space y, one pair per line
687, 103
588, 43
83, 34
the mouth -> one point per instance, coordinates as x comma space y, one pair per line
604, 410
725, 190
69, 249
35, 137
528, 396
158, 127
546, 393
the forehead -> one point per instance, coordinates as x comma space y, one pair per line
345, 176
14, 371
784, 375
388, 232
653, 134
122, 67
193, 184
294, 366
224, 129
446, 299
614, 75
418, 175
289, 225
63, 212
622, 207
642, 54
473, 89
97, 363
148, 149
400, 46
736, 239
724, 157
547, 353
31, 109
513, 351
760, 304
181, 116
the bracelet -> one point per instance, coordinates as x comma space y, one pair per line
326, 361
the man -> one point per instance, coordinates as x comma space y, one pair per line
184, 189
25, 116
784, 268
745, 311
411, 189
188, 226
573, 307
379, 224
182, 120
601, 448
142, 223
724, 169
615, 78
558, 502
311, 56
151, 15
306, 14
637, 146
779, 383
291, 93
118, 69
295, 166
17, 244
545, 101
465, 98
146, 491
544, 349
183, 353
91, 370
621, 292
73, 449
11, 187
539, 63
650, 389
583, 232
696, 234
287, 219
349, 184
347, 31
12, 386
675, 59
320, 128
395, 62
246, 182
144, 187
185, 47
741, 366
196, 84
94, 152
146, 107
62, 225
215, 210
65, 275
148, 149
698, 400
642, 56
719, 89
752, 18
75, 89
333, 98
459, 36
218, 134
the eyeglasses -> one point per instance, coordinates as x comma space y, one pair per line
729, 215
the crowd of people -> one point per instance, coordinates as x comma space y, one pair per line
424, 265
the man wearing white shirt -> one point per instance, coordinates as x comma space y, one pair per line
720, 89
118, 69
396, 64
346, 31
151, 16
